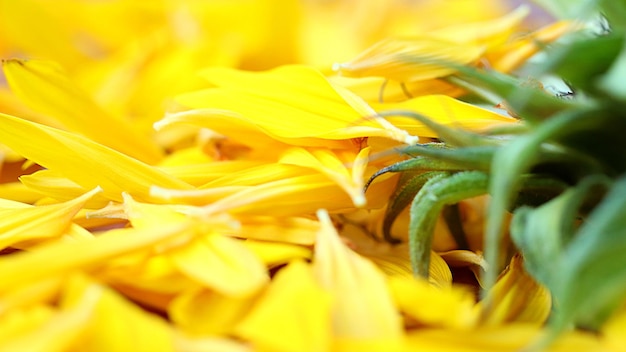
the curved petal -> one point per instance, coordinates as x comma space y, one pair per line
362, 304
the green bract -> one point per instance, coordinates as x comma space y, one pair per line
562, 173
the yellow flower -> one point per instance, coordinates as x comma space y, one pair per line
184, 175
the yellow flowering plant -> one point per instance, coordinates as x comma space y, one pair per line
263, 175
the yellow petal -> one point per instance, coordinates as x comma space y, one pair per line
613, 331
142, 215
508, 338
40, 222
450, 307
83, 161
149, 278
199, 174
116, 324
378, 89
464, 258
257, 175
227, 123
287, 197
407, 60
45, 87
17, 191
40, 292
510, 56
221, 263
22, 321
296, 230
209, 344
203, 312
293, 296
439, 272
489, 32
362, 304
62, 331
329, 164
61, 257
443, 110
50, 35
54, 185
313, 107
516, 297
273, 254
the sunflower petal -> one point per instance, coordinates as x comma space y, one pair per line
83, 161
450, 307
362, 304
221, 263
315, 108
273, 254
407, 60
329, 164
445, 111
294, 295
62, 257
204, 312
516, 297
45, 87
115, 324
489, 32
40, 222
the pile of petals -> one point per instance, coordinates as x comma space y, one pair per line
189, 176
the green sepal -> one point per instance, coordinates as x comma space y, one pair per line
592, 283
405, 192
422, 163
509, 164
542, 233
439, 191
472, 158
582, 62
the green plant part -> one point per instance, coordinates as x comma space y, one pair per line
561, 171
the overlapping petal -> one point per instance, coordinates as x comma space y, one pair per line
362, 305
445, 110
46, 88
407, 60
516, 297
84, 161
309, 106
209, 220
295, 295
23, 225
